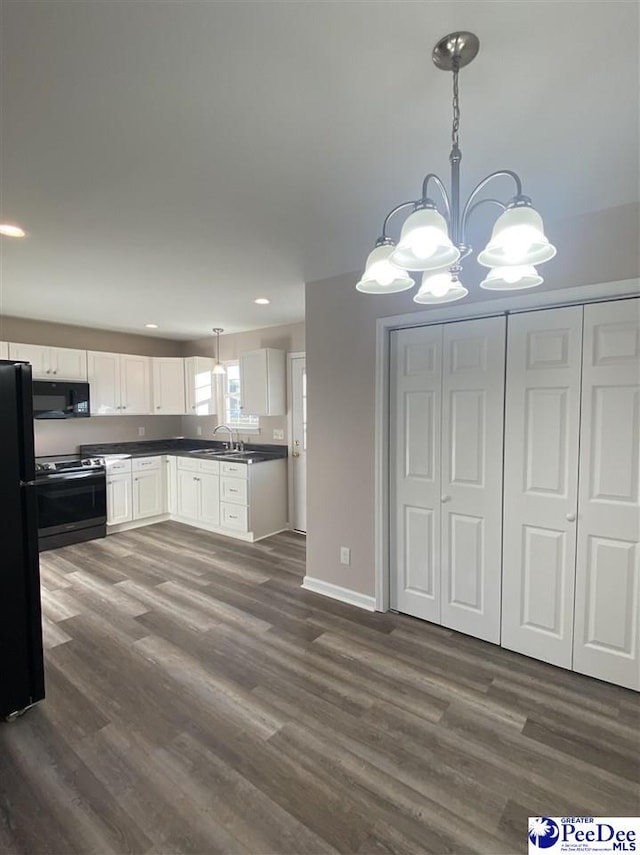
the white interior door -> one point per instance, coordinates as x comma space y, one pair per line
471, 486
416, 381
606, 634
298, 366
544, 355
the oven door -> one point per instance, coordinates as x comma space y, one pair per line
71, 500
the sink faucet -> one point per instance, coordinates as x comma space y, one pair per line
226, 427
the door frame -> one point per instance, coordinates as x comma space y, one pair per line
516, 303
299, 354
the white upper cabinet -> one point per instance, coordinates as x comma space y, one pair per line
104, 383
52, 363
168, 385
607, 606
135, 384
200, 386
119, 384
4, 350
262, 382
542, 429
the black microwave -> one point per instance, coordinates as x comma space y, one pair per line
60, 400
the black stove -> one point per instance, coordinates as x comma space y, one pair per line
72, 500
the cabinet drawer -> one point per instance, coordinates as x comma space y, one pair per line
234, 516
118, 467
233, 490
189, 464
210, 466
236, 470
141, 464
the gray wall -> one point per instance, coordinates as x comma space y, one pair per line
290, 338
340, 333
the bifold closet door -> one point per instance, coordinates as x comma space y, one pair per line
542, 428
606, 636
471, 500
415, 400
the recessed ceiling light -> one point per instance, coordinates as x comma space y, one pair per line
262, 301
10, 230
151, 326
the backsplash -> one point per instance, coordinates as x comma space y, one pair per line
63, 436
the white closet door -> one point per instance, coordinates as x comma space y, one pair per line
416, 369
606, 643
471, 500
544, 355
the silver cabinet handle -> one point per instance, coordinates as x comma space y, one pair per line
54, 371
445, 498
158, 407
571, 517
47, 371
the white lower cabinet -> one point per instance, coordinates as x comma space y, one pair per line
244, 501
119, 498
198, 491
136, 489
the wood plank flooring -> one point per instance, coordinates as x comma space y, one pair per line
199, 701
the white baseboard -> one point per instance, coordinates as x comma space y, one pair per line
114, 529
345, 595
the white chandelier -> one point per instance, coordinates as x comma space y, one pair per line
435, 243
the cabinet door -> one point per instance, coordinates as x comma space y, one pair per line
544, 354
472, 435
148, 493
607, 628
68, 364
209, 498
135, 384
4, 350
200, 386
119, 504
168, 386
188, 494
253, 383
171, 485
38, 356
416, 369
103, 371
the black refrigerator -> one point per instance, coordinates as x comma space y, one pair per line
21, 660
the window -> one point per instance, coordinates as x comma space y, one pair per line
233, 415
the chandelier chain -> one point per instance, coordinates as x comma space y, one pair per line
456, 105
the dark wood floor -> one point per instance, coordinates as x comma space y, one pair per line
199, 701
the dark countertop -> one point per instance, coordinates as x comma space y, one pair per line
181, 447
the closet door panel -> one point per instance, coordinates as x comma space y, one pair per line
416, 368
607, 643
472, 432
544, 351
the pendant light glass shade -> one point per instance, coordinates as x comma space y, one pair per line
381, 276
439, 288
513, 278
424, 242
218, 367
518, 238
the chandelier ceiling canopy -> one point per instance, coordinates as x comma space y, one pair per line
434, 241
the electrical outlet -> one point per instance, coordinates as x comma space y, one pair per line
141, 431
345, 555
278, 434
199, 430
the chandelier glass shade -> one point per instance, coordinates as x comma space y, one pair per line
434, 242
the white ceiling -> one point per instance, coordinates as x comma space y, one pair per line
174, 160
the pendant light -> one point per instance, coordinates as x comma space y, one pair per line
433, 241
218, 367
